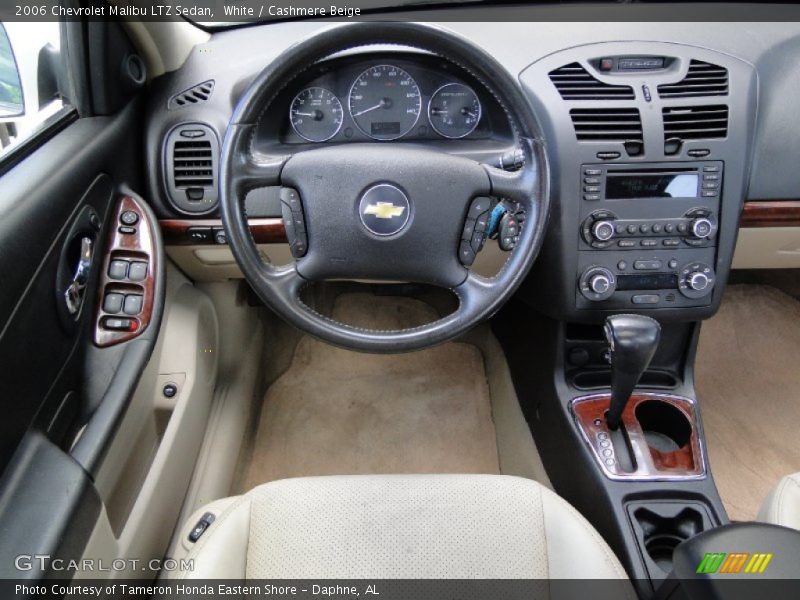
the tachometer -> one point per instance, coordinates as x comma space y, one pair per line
385, 102
316, 114
454, 110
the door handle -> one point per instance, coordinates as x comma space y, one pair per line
73, 296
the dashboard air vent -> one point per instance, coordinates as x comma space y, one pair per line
702, 79
192, 159
194, 95
695, 122
574, 82
609, 125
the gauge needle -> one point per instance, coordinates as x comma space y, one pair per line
380, 104
317, 115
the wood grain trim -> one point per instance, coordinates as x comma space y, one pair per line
650, 464
264, 231
771, 213
139, 246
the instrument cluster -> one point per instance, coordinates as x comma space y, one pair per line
383, 99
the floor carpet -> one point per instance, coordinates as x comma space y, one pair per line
748, 386
340, 412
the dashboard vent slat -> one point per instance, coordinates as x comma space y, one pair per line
702, 79
695, 122
574, 82
194, 95
607, 125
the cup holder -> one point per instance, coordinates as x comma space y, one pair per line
663, 526
665, 427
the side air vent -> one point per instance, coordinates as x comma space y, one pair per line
194, 95
191, 167
703, 79
622, 125
574, 82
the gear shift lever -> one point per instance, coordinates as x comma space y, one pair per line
633, 340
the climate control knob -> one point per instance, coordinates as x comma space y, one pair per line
603, 231
702, 228
597, 284
696, 280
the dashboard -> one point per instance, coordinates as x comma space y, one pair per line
625, 157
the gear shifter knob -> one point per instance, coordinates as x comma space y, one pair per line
632, 340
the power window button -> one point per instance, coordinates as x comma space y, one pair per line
118, 269
137, 271
112, 304
133, 304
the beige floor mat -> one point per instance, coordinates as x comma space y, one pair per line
341, 412
748, 385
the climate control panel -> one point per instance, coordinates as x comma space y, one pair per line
657, 280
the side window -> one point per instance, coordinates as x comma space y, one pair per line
30, 81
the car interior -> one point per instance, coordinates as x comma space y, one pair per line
435, 297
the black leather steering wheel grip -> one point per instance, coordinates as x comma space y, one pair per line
333, 182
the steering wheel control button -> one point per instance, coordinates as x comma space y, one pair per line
290, 197
118, 269
294, 222
129, 218
466, 254
469, 229
113, 303
137, 271
479, 206
384, 209
133, 304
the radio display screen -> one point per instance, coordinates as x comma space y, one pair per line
667, 185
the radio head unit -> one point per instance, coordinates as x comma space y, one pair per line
648, 234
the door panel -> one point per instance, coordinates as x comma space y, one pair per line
61, 193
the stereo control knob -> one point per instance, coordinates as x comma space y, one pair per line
702, 228
603, 230
597, 283
698, 281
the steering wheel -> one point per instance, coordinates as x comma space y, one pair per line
426, 198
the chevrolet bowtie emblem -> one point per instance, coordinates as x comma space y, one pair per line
384, 210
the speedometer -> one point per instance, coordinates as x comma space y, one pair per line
385, 102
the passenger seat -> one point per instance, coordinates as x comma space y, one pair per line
782, 505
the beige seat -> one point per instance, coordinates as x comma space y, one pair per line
782, 505
400, 526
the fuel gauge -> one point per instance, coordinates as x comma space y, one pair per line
454, 110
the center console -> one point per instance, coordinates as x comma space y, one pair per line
649, 155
